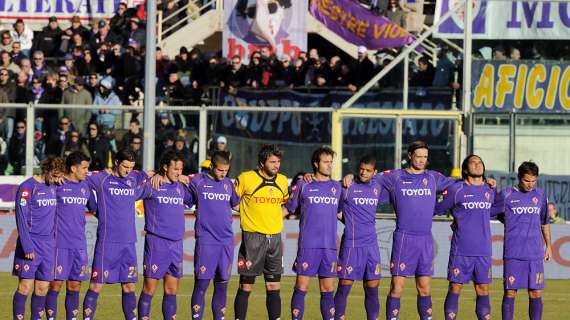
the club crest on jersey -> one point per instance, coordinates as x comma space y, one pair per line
59, 269
487, 196
305, 265
202, 269
248, 264
26, 267
226, 187
375, 191
270, 191
535, 200
154, 268
106, 274
333, 190
83, 191
378, 269
456, 272
129, 183
178, 190
349, 269
402, 266
511, 280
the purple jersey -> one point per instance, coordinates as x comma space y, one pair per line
116, 205
318, 201
72, 200
214, 201
471, 210
524, 214
35, 212
413, 197
358, 204
164, 210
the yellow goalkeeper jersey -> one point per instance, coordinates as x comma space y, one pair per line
261, 201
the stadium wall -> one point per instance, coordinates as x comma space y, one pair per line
559, 268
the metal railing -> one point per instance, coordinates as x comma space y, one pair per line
186, 18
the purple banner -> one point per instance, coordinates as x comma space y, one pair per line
358, 25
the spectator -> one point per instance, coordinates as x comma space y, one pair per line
56, 143
103, 35
198, 72
75, 143
21, 89
162, 63
87, 65
173, 90
135, 145
24, 35
499, 53
105, 96
424, 75
6, 44
168, 8
99, 148
220, 144
395, 13
7, 87
284, 72
77, 28
78, 95
362, 70
515, 54
9, 64
92, 84
17, 53
37, 94
136, 32
3, 155
49, 39
6, 121
119, 21
553, 213
236, 76
443, 70
17, 148
39, 67
61, 87
379, 6
134, 131
26, 67
180, 147
214, 72
300, 73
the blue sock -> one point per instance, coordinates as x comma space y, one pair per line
508, 308
392, 308
298, 304
129, 302
451, 306
19, 306
72, 304
371, 303
340, 298
38, 307
219, 300
424, 307
90, 305
145, 301
169, 306
327, 305
51, 304
199, 298
535, 308
483, 307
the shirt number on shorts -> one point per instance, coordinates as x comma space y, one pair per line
539, 278
132, 272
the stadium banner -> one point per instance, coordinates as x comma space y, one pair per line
251, 25
8, 188
557, 188
506, 19
558, 268
358, 25
309, 127
521, 86
36, 12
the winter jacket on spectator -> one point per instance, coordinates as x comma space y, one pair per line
105, 117
49, 41
17, 152
56, 142
75, 144
74, 96
235, 78
9, 88
39, 95
173, 91
99, 149
443, 72
423, 78
26, 38
361, 72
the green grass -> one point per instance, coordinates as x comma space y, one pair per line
555, 298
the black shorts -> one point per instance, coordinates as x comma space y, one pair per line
260, 254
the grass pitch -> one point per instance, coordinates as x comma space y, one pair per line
556, 299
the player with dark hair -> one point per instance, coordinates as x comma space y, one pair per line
359, 257
71, 259
263, 192
115, 258
164, 225
470, 201
215, 197
412, 192
316, 253
34, 258
524, 211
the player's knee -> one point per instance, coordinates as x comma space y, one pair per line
246, 283
455, 288
56, 285
170, 290
128, 287
482, 290
510, 293
73, 286
41, 288
25, 287
96, 287
534, 294
271, 286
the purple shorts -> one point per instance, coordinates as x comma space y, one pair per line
462, 269
412, 255
523, 274
313, 262
71, 264
114, 262
42, 267
361, 263
162, 256
213, 261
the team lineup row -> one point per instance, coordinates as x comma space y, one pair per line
52, 248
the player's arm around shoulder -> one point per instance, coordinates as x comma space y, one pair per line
449, 197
